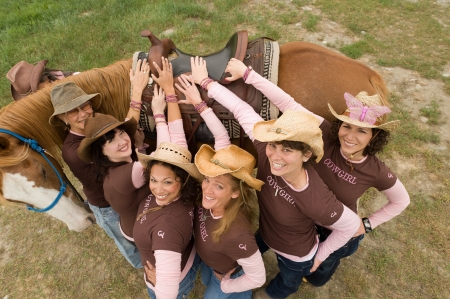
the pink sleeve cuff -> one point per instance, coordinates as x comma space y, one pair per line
137, 175
162, 134
221, 138
176, 132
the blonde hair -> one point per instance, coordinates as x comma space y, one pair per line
244, 204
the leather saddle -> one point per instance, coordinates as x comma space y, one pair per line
251, 53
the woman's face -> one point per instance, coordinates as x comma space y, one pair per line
217, 193
76, 117
353, 139
285, 161
164, 184
119, 148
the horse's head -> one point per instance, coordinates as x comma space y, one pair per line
26, 177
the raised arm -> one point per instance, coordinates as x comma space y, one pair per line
221, 138
243, 112
275, 94
139, 80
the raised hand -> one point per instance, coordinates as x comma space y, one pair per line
199, 70
139, 78
158, 102
165, 79
187, 87
236, 68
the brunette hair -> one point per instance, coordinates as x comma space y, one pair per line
300, 146
246, 206
101, 162
375, 145
48, 75
190, 190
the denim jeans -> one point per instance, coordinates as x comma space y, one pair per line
213, 290
324, 272
291, 273
108, 219
187, 284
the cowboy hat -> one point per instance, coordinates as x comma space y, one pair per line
25, 78
174, 154
365, 111
231, 159
292, 126
67, 96
98, 125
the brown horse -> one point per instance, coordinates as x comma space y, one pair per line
312, 75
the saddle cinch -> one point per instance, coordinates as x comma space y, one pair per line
251, 53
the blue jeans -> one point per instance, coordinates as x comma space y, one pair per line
324, 272
213, 290
187, 284
291, 273
108, 219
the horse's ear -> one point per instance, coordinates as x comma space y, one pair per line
4, 143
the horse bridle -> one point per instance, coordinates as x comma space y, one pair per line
37, 148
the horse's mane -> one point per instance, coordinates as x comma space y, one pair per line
29, 116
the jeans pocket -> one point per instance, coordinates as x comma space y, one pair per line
109, 215
296, 266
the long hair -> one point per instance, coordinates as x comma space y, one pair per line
245, 205
376, 145
101, 162
190, 188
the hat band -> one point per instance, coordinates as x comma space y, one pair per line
217, 162
102, 128
347, 113
279, 131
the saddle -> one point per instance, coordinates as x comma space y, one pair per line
251, 53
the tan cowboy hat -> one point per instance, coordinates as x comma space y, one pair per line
25, 78
67, 96
293, 126
365, 111
174, 154
231, 159
98, 125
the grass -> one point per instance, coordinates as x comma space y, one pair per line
40, 258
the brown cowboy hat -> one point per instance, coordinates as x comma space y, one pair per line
98, 125
174, 154
363, 99
67, 96
231, 159
25, 78
293, 126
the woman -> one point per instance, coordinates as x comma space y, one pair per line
350, 165
231, 262
293, 197
72, 107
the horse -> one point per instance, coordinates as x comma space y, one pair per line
311, 74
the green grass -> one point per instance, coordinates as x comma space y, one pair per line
432, 113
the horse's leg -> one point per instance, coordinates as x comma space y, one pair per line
315, 76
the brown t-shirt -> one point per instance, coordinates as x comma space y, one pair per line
349, 186
123, 197
83, 171
287, 221
237, 243
169, 228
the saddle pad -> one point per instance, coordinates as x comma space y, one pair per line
268, 110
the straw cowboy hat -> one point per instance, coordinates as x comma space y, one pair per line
67, 96
25, 78
98, 125
292, 126
365, 111
231, 159
174, 154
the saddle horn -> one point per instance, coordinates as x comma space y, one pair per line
157, 49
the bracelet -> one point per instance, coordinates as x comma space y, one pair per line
205, 82
199, 107
135, 105
247, 71
171, 98
159, 116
